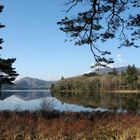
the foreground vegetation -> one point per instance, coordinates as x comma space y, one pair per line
53, 125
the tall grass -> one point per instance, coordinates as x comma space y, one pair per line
69, 126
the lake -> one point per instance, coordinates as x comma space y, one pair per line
34, 100
37, 99
118, 101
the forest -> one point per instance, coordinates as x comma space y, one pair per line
92, 82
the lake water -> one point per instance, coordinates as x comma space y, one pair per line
37, 99
118, 101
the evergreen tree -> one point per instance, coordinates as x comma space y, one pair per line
98, 21
114, 71
7, 72
131, 76
62, 78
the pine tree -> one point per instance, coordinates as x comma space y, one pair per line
98, 21
131, 76
7, 72
114, 71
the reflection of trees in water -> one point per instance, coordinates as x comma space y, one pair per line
130, 101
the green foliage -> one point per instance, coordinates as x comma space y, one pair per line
62, 78
131, 74
7, 72
132, 104
130, 77
77, 85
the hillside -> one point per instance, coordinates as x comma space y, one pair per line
107, 70
30, 83
93, 82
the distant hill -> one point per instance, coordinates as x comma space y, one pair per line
30, 83
109, 69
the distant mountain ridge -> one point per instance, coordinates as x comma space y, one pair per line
30, 83
109, 69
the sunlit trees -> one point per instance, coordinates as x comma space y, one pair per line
7, 72
97, 21
115, 81
131, 76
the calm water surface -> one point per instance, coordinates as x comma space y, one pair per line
118, 101
33, 99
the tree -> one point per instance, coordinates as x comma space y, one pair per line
102, 20
114, 71
62, 78
131, 75
7, 72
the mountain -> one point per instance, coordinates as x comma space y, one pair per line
30, 83
109, 69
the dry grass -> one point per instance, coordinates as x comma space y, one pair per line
68, 126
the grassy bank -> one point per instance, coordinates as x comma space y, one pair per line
68, 126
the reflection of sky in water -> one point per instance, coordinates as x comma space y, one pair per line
16, 102
32, 100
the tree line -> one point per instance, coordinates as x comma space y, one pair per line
127, 80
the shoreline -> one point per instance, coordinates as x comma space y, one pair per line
123, 91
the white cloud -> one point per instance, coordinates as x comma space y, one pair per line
120, 58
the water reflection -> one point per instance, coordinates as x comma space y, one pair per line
32, 99
25, 94
31, 95
129, 101
5, 95
22, 99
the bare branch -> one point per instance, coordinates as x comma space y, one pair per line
74, 3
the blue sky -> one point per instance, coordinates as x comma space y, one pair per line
33, 37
